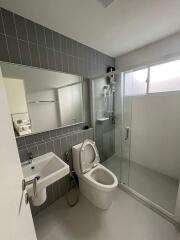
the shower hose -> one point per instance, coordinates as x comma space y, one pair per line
72, 188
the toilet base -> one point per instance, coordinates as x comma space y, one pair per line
101, 199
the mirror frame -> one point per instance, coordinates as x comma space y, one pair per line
49, 70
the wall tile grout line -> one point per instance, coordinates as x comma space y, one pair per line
5, 33
17, 38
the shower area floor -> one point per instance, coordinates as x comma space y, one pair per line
159, 188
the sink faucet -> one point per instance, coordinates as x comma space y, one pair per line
30, 157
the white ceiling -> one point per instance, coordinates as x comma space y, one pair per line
123, 26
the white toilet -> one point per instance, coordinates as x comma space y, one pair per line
96, 182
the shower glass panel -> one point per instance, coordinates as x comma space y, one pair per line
105, 119
150, 133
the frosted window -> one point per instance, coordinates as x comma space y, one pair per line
136, 82
165, 77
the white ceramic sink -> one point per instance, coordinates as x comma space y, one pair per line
48, 168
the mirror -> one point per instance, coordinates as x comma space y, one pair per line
42, 100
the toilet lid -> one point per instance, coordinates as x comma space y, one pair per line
89, 156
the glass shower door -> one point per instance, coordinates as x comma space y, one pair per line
150, 139
126, 140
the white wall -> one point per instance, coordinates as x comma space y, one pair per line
70, 104
152, 53
16, 95
155, 133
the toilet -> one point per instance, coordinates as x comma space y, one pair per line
96, 182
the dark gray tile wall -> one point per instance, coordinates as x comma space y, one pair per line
105, 139
25, 42
58, 141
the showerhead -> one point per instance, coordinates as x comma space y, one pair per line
111, 81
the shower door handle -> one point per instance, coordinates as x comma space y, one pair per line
127, 129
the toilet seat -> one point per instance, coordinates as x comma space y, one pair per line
110, 184
89, 157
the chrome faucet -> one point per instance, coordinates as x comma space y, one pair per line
30, 157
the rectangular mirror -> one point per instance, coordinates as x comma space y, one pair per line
42, 100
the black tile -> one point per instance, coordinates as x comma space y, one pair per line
57, 41
69, 46
43, 57
34, 55
84, 68
57, 147
75, 65
20, 141
49, 146
42, 149
82, 51
71, 64
13, 48
56, 190
25, 53
60, 42
31, 31
65, 62
38, 137
21, 27
23, 155
80, 65
74, 48
40, 35
9, 25
46, 135
64, 147
90, 55
53, 133
1, 23
85, 52
33, 149
59, 132
50, 198
51, 59
63, 185
3, 49
30, 139
58, 57
49, 38
75, 139
79, 46
63, 42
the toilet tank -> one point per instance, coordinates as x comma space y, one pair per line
76, 158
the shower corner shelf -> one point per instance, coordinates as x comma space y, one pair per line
42, 101
102, 119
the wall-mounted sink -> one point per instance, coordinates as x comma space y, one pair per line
47, 169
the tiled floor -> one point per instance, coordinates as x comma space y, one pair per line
157, 187
127, 219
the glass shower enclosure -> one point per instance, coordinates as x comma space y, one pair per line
139, 138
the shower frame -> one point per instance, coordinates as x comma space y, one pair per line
173, 218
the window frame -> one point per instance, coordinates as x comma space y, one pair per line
148, 66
